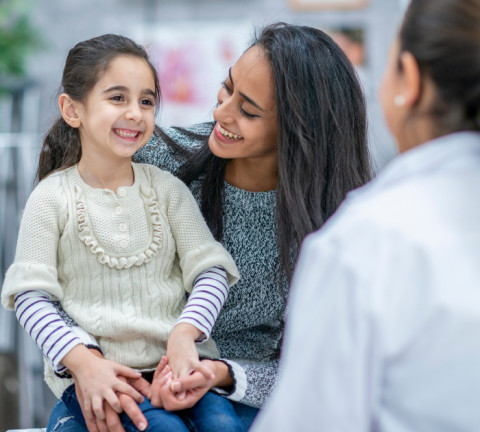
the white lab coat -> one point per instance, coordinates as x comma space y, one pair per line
383, 332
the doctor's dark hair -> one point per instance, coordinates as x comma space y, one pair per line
444, 38
85, 64
322, 137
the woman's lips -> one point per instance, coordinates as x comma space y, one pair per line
222, 138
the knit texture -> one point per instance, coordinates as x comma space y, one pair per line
249, 328
119, 263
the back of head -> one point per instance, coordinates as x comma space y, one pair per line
322, 129
444, 38
85, 64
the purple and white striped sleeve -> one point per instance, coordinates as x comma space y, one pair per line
209, 293
43, 323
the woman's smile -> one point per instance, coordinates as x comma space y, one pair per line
226, 136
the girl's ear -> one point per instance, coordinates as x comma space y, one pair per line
412, 80
68, 109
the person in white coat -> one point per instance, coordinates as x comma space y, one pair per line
383, 332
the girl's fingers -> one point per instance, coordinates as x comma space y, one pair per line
87, 409
161, 366
112, 399
126, 371
97, 407
127, 389
101, 424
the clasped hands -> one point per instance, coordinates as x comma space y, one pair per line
105, 389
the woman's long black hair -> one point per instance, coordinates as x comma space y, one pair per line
322, 137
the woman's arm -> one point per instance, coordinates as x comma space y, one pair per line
252, 383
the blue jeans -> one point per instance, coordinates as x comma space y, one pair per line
211, 413
61, 420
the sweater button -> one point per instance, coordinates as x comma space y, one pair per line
119, 210
122, 192
122, 227
124, 244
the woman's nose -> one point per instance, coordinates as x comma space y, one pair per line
224, 111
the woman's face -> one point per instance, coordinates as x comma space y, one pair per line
246, 116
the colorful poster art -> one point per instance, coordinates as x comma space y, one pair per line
193, 59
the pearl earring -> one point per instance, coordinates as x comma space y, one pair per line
399, 100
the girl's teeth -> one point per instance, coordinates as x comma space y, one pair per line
229, 134
126, 134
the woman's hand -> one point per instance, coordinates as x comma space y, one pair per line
98, 380
185, 392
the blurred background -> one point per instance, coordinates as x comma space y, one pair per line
193, 43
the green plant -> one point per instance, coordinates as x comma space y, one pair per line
18, 38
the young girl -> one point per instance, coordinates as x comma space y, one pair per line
118, 244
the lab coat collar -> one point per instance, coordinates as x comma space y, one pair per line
430, 157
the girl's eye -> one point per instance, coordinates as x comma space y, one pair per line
147, 102
117, 98
247, 115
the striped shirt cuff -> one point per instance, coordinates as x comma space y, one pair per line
209, 293
42, 322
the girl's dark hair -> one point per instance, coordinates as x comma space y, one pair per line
85, 63
322, 137
444, 38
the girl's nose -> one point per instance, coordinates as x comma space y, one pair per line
134, 112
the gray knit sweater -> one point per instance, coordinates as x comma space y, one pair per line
248, 331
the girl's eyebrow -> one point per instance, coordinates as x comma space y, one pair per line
125, 89
250, 100
116, 88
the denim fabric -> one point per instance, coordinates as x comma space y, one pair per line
212, 413
62, 420
246, 414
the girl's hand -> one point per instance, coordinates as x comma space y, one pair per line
182, 353
98, 381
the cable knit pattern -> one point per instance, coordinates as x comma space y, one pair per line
118, 263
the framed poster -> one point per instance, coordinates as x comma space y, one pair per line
192, 59
310, 5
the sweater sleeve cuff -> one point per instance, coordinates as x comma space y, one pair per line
239, 381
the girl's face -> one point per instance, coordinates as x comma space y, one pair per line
246, 111
118, 116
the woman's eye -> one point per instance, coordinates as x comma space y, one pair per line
247, 115
225, 86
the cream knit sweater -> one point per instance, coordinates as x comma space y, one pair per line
118, 262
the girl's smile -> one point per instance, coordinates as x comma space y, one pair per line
128, 134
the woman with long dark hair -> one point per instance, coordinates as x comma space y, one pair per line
288, 143
391, 286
